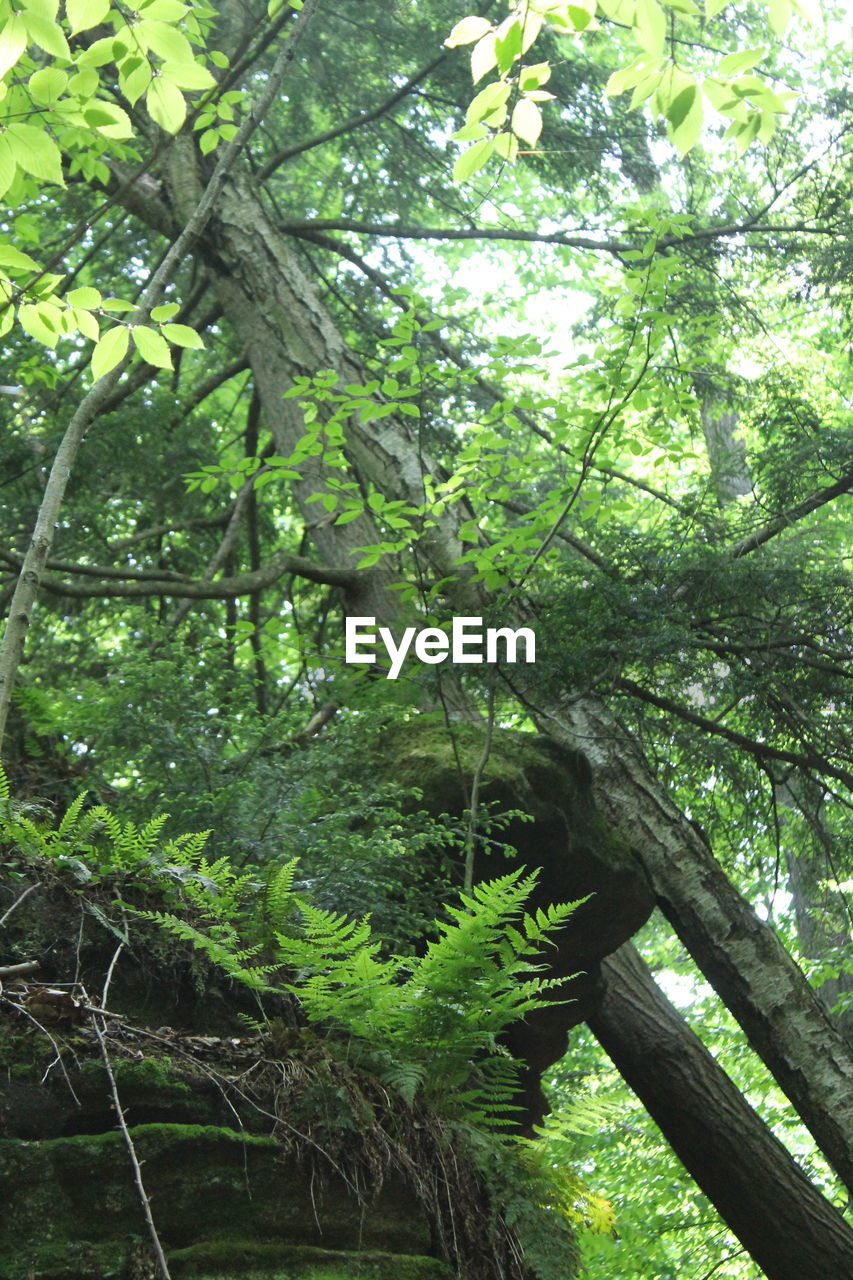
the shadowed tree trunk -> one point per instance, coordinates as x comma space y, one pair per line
790, 1230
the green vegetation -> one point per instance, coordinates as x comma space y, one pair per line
537, 315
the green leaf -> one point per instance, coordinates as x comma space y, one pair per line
83, 14
527, 121
47, 85
650, 26
134, 77
182, 336
483, 57
8, 165
13, 42
165, 10
83, 297
467, 31
46, 34
86, 323
580, 15
152, 346
15, 260
40, 322
99, 53
473, 159
494, 95
506, 146
168, 43
188, 75
534, 76
166, 105
685, 117
47, 9
743, 60
36, 152
108, 119
85, 83
470, 133
110, 351
780, 15
508, 40
165, 311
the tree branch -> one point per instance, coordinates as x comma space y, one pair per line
411, 232
791, 516
357, 121
148, 584
760, 750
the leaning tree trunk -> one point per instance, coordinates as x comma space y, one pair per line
787, 1226
739, 954
286, 332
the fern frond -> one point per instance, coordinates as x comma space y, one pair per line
68, 825
278, 895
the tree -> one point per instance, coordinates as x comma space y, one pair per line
385, 444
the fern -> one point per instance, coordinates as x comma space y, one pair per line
278, 896
223, 951
438, 1017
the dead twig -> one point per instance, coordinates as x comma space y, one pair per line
98, 1028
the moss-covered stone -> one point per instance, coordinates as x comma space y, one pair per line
222, 1198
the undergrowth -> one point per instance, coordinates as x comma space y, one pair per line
405, 1066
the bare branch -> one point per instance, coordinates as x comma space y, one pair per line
222, 589
569, 240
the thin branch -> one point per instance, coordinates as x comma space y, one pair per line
100, 570
243, 584
791, 516
162, 1264
357, 121
17, 903
182, 526
577, 544
412, 232
761, 750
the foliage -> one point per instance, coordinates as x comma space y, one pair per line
602, 388
58, 105
426, 1027
505, 116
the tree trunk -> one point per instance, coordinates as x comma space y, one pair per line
787, 1226
740, 955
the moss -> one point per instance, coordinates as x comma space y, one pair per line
211, 1188
251, 1260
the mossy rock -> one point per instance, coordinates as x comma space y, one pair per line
578, 855
566, 840
226, 1204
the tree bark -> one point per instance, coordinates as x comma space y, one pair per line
739, 954
787, 1226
